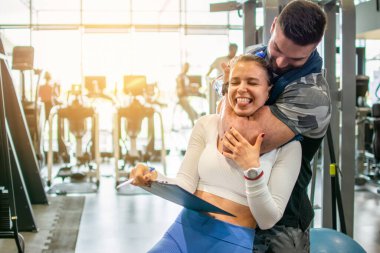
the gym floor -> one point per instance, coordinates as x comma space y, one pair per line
132, 220
117, 223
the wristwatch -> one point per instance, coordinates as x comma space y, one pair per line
253, 173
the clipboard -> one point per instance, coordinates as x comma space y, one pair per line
176, 194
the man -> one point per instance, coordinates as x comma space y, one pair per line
183, 88
217, 63
299, 105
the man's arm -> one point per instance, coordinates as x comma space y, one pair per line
276, 132
303, 108
263, 121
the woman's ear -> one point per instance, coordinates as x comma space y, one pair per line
273, 26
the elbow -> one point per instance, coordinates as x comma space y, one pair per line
267, 225
269, 221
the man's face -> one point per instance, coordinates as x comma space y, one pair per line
284, 54
232, 51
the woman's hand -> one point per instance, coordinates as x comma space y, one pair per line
240, 150
142, 175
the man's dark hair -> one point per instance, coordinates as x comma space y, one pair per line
233, 45
303, 22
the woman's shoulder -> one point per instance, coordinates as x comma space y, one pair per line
209, 118
292, 147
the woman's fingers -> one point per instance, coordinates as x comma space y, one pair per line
139, 174
230, 138
259, 140
235, 133
227, 145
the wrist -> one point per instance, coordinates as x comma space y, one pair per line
255, 165
253, 173
154, 175
256, 178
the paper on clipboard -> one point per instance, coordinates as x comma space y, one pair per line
176, 194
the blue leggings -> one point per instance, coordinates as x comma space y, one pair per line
194, 232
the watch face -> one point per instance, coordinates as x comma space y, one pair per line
252, 173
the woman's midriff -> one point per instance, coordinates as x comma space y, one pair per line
243, 213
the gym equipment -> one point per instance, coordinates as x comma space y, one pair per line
28, 168
76, 114
129, 118
23, 58
18, 182
325, 240
95, 85
8, 213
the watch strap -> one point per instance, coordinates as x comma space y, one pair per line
253, 179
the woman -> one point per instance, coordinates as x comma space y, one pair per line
223, 168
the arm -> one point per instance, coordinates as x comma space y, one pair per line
187, 176
210, 70
181, 90
303, 108
268, 202
263, 121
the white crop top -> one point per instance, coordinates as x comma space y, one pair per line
206, 169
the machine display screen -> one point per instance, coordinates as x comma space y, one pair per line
95, 84
135, 85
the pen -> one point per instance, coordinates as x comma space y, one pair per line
151, 169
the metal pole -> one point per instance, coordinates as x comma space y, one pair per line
249, 23
329, 59
348, 19
270, 9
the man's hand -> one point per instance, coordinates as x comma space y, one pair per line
240, 150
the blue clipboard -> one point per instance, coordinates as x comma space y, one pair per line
176, 194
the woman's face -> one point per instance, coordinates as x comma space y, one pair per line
248, 88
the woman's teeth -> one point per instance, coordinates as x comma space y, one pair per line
243, 100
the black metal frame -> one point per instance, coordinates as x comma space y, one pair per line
336, 197
7, 180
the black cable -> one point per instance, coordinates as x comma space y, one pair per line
335, 188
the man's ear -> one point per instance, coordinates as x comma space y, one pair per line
269, 89
273, 25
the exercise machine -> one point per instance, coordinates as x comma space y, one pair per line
128, 126
75, 114
23, 60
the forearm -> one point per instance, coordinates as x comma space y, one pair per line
263, 121
268, 199
276, 132
260, 201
